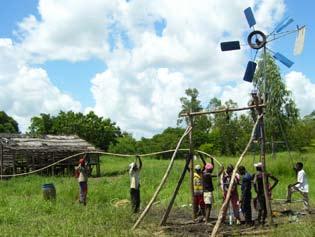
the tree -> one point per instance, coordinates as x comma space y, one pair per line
281, 112
201, 123
96, 130
124, 145
8, 124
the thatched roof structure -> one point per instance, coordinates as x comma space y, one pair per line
20, 152
45, 142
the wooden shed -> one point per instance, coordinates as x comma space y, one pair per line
22, 153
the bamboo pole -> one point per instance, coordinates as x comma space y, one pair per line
228, 195
191, 174
143, 214
179, 183
221, 110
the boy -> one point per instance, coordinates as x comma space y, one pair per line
259, 188
82, 174
246, 197
198, 191
208, 187
300, 186
234, 199
134, 173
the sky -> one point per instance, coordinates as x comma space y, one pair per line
132, 60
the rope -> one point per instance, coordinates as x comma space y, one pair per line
104, 153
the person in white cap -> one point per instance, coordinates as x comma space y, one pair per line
260, 200
134, 173
300, 186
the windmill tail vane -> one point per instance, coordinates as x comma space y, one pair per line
258, 39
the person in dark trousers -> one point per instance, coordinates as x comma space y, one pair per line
246, 198
208, 187
82, 172
134, 173
301, 186
259, 188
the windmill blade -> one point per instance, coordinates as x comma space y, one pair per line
283, 24
283, 59
250, 17
230, 45
250, 71
299, 42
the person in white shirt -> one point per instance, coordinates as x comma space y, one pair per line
134, 173
300, 186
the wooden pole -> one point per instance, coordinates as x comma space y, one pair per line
167, 172
179, 183
228, 195
264, 170
220, 110
262, 144
191, 174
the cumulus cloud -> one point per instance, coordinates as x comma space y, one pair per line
303, 91
26, 91
146, 72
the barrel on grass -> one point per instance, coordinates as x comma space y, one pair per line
49, 191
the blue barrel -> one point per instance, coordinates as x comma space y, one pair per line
49, 191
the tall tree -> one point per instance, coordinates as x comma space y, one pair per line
281, 111
201, 123
8, 124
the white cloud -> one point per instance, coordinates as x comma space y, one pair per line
27, 91
147, 74
303, 91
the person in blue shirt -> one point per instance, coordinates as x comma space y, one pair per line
246, 197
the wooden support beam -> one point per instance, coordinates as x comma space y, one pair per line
179, 183
221, 110
191, 174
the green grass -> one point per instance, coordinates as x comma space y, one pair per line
23, 212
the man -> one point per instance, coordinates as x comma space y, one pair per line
208, 187
234, 199
134, 173
246, 197
259, 188
255, 100
300, 186
82, 175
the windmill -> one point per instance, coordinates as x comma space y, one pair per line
257, 40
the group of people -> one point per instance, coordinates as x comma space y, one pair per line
203, 188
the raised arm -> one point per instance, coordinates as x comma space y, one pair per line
275, 181
140, 161
203, 160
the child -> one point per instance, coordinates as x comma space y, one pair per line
234, 199
259, 188
208, 187
300, 186
82, 175
198, 191
134, 173
246, 197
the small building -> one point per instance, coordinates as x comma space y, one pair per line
22, 153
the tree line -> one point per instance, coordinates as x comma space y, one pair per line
220, 134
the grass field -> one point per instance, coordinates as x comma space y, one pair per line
23, 212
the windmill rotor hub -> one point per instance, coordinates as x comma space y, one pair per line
257, 39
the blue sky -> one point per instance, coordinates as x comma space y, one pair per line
114, 60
